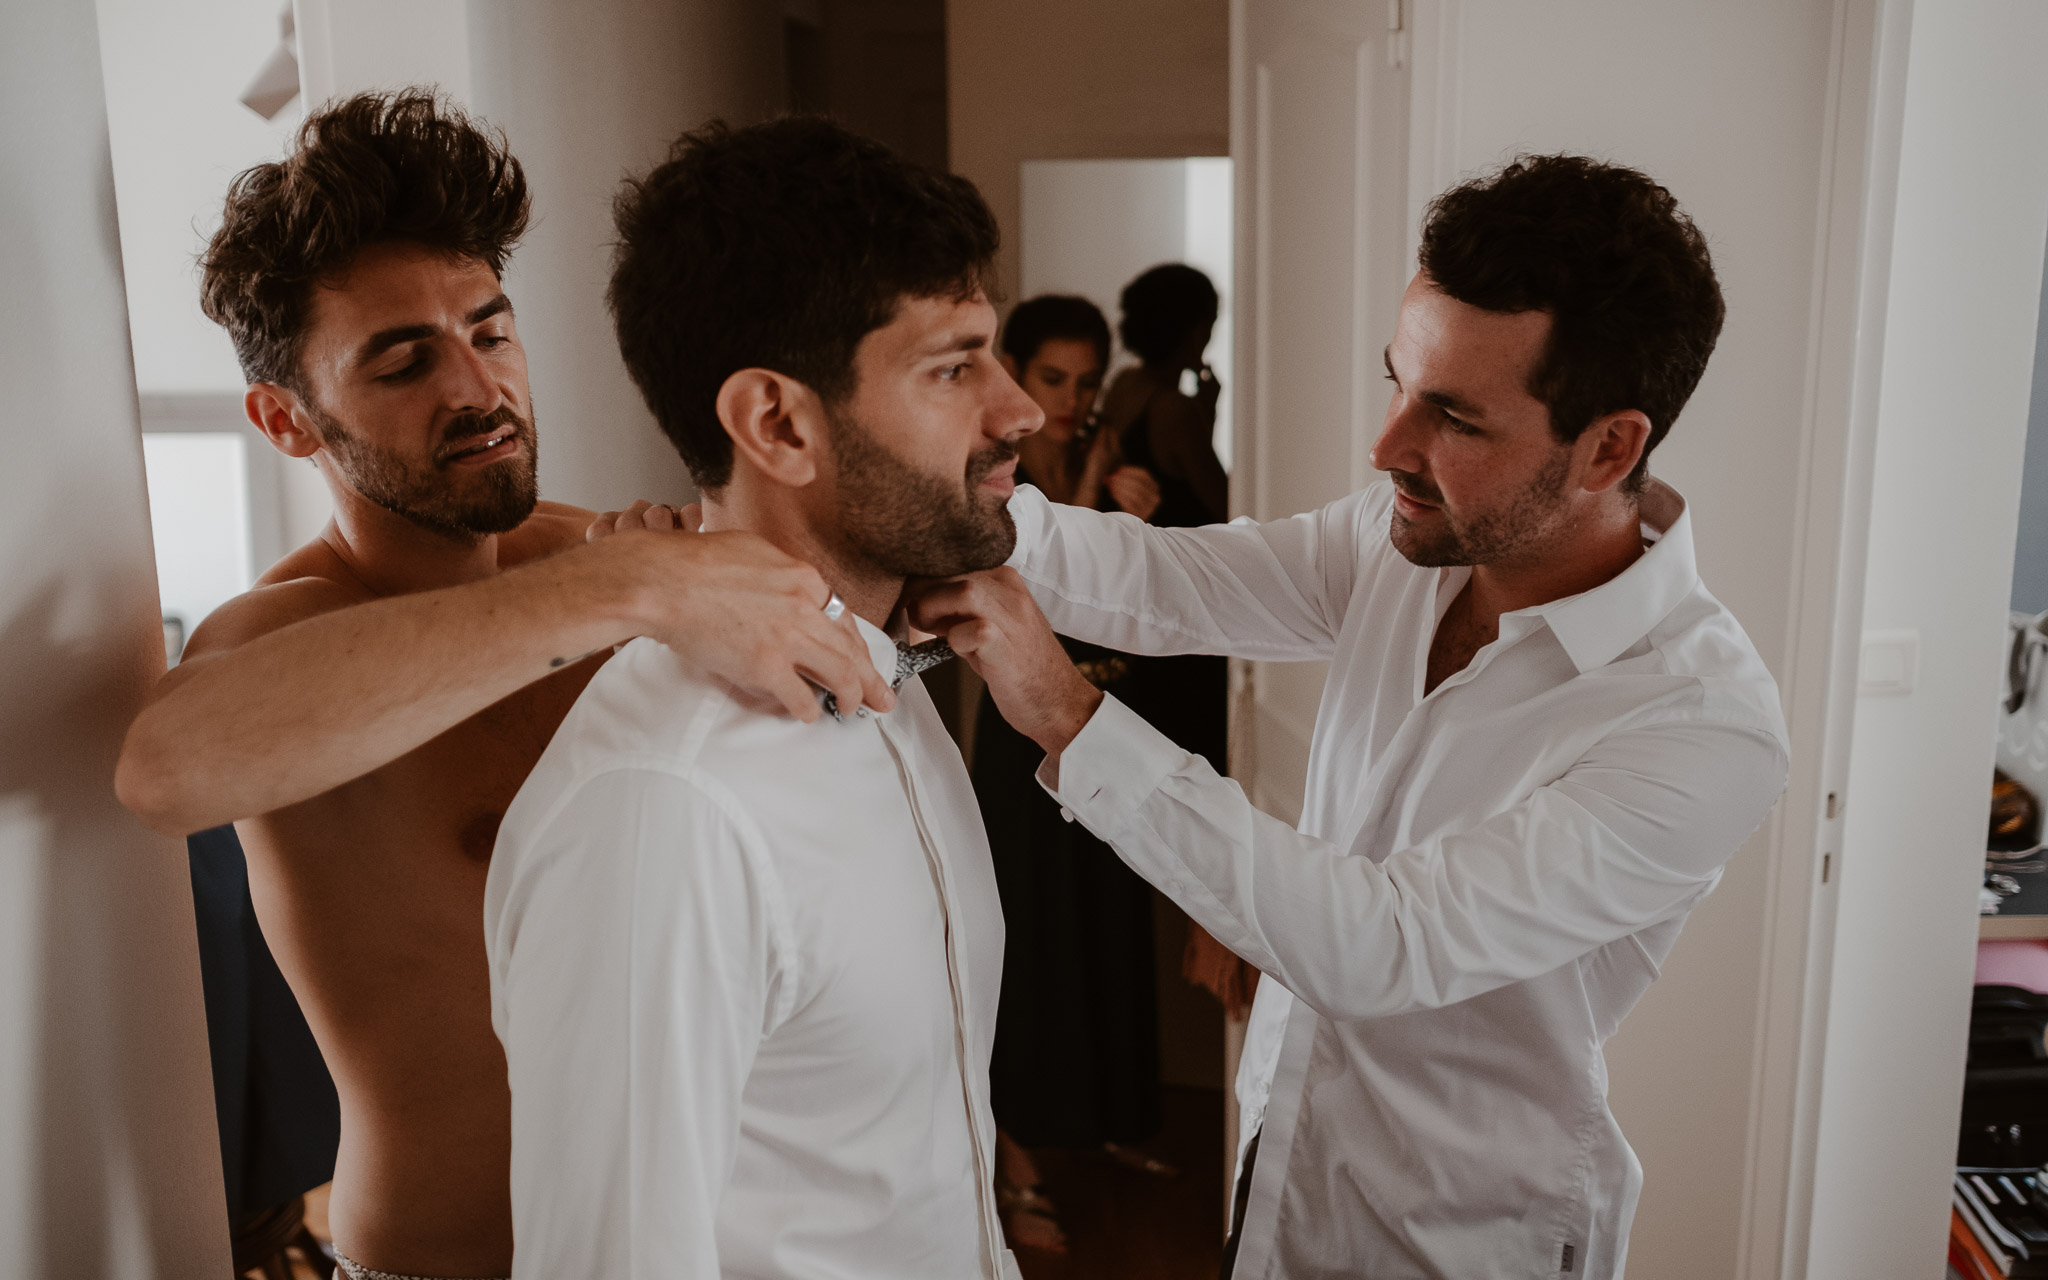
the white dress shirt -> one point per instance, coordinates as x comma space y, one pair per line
1484, 881
745, 972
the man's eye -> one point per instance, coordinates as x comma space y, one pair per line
489, 340
402, 373
953, 372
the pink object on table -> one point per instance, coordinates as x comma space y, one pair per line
2013, 964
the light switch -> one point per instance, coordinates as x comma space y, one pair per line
1891, 664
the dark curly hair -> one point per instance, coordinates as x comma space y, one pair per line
1161, 307
778, 246
1054, 315
369, 169
1625, 275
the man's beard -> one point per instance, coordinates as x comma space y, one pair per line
913, 524
457, 504
1523, 521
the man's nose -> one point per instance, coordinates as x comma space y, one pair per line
1013, 413
470, 387
1398, 445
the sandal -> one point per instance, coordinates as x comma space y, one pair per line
1029, 1219
1132, 1158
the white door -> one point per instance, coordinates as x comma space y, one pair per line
1319, 136
1319, 133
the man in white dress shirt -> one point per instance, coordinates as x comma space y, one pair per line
1540, 742
745, 968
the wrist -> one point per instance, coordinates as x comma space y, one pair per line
1068, 716
631, 594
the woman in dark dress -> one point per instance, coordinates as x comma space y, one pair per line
1076, 1061
1169, 314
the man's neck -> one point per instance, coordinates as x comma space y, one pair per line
868, 593
393, 556
1590, 551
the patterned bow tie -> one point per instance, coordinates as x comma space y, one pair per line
911, 660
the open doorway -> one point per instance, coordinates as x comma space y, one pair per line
2000, 1214
1109, 1069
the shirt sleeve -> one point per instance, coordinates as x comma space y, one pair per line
1274, 591
639, 972
1633, 834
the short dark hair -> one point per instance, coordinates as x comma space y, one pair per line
369, 169
1625, 275
1161, 307
778, 246
1051, 316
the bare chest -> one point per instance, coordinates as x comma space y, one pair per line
1459, 637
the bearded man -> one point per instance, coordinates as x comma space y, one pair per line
745, 969
1541, 740
365, 714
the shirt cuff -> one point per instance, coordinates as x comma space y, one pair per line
1112, 767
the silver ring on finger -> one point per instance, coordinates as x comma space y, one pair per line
835, 607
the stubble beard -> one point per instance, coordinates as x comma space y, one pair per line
495, 499
1530, 516
912, 524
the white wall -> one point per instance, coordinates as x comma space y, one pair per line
588, 93
347, 46
174, 69
109, 1163
1964, 290
2030, 566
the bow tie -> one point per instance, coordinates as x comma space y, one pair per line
911, 660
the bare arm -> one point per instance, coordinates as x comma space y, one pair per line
293, 689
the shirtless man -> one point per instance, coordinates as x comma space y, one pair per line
366, 713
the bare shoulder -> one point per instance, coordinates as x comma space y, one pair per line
306, 583
554, 527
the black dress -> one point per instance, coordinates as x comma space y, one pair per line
1186, 696
1076, 1059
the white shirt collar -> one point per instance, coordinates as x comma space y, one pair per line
1596, 627
881, 648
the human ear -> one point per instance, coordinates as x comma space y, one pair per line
1611, 447
776, 423
276, 412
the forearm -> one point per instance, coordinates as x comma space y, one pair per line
317, 703
1590, 859
1243, 590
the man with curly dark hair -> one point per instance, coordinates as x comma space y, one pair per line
1540, 742
746, 970
367, 712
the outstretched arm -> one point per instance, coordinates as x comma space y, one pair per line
294, 689
1275, 591
1634, 833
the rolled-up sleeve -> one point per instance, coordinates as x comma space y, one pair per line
1636, 832
638, 971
